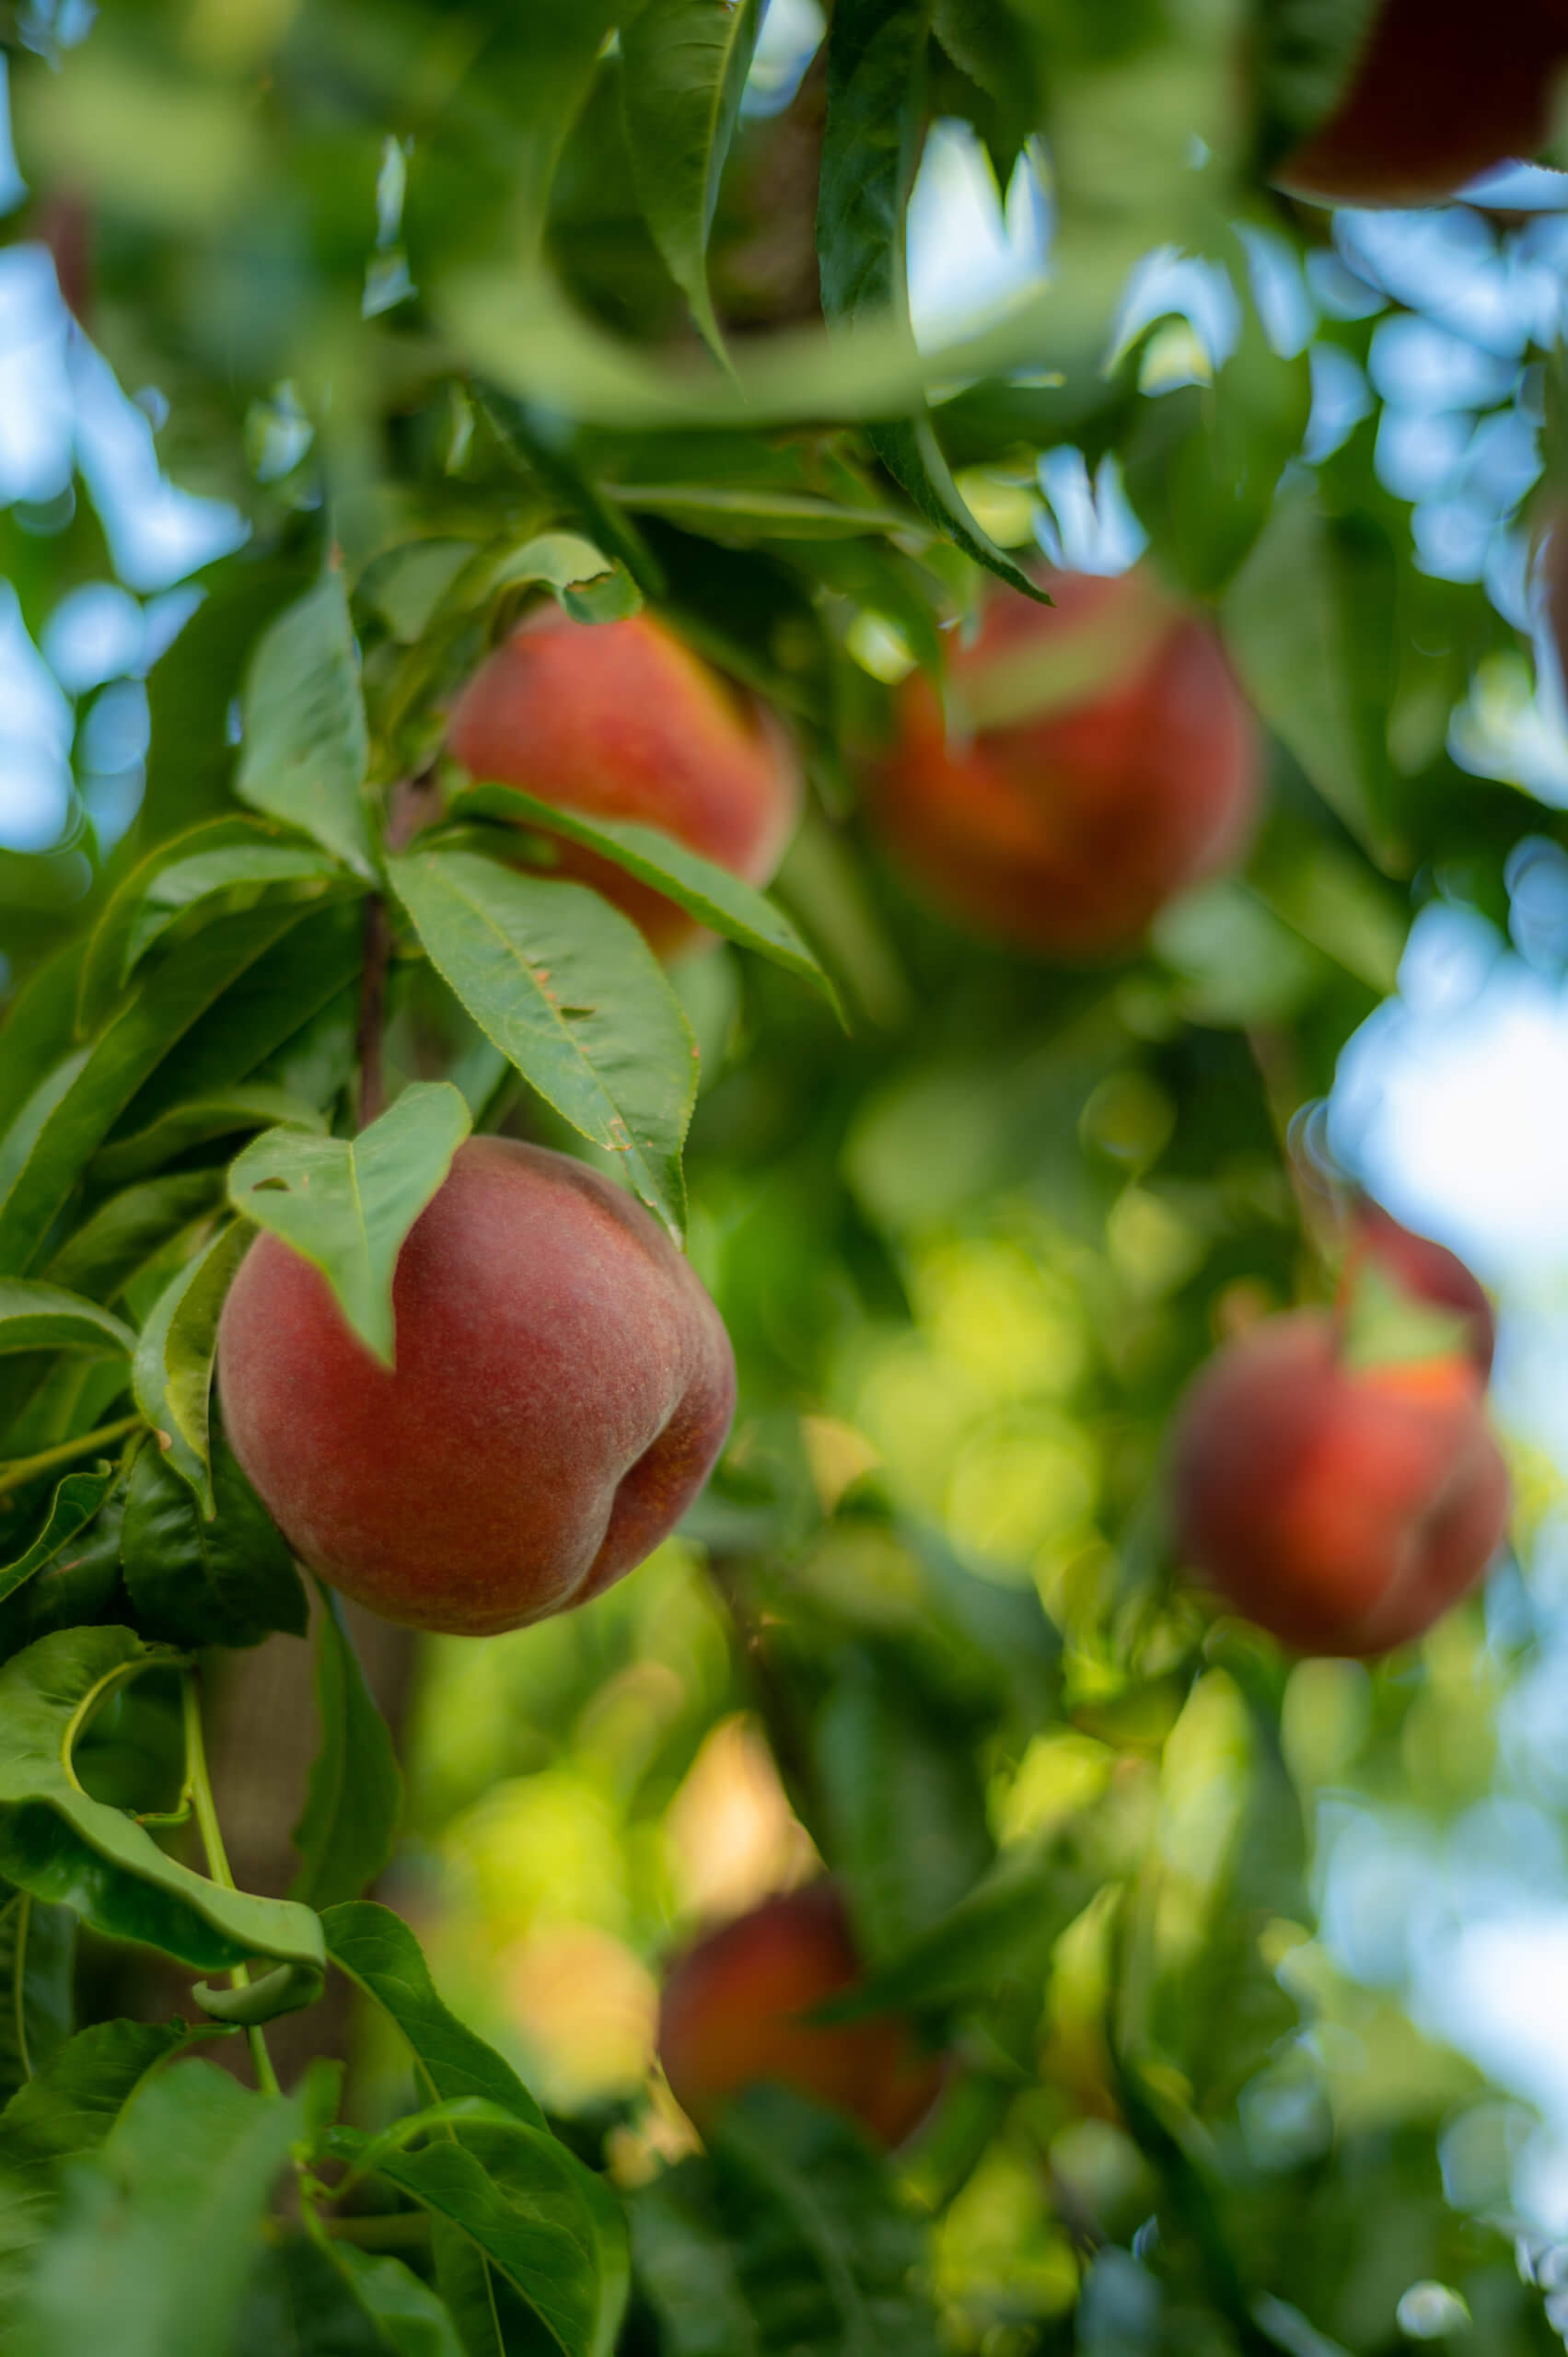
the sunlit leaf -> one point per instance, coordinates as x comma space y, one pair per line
305, 751
705, 891
568, 989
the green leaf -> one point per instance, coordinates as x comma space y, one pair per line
406, 2314
258, 1106
789, 2240
346, 1204
304, 751
158, 2234
38, 1954
687, 2268
104, 960
738, 516
35, 1316
904, 1809
707, 892
876, 110
1005, 1926
552, 2231
67, 1118
1203, 463
320, 2298
382, 1957
37, 1029
62, 2114
194, 1580
1309, 624
586, 584
131, 1229
907, 447
76, 1501
171, 1374
346, 1832
684, 67
68, 2105
78, 1584
285, 990
568, 989
405, 584
70, 1849
236, 876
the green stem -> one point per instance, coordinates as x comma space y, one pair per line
23, 1469
217, 1856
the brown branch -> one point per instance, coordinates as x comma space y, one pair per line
776, 1704
373, 1011
412, 804
65, 226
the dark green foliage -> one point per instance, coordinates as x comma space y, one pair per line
468, 308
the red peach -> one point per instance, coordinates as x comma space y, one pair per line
562, 1388
1440, 92
1112, 762
729, 2019
621, 720
1344, 1509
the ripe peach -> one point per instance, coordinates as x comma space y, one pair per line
1111, 761
1426, 1270
562, 1388
619, 720
729, 2020
1343, 1508
1439, 93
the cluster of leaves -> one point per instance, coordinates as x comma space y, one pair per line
545, 381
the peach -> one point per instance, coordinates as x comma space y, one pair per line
562, 1388
1110, 761
1426, 1270
1345, 1508
1440, 92
730, 2019
621, 720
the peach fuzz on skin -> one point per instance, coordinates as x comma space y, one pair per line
562, 1388
621, 720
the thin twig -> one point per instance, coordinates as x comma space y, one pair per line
373, 1011
412, 803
